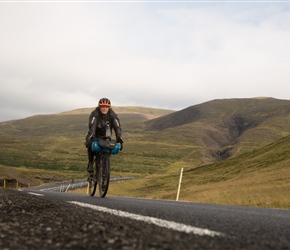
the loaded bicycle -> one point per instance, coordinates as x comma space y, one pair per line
101, 174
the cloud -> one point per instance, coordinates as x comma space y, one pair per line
61, 56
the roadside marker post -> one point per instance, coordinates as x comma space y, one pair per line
179, 184
88, 188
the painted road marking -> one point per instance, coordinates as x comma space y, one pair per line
151, 220
35, 194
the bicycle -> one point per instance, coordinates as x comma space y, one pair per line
101, 173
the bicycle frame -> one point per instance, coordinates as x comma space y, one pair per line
101, 173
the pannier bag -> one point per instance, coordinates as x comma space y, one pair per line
105, 146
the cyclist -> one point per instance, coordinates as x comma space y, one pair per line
100, 118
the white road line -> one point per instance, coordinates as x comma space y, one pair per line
151, 220
35, 194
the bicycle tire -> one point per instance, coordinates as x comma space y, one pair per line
104, 175
92, 183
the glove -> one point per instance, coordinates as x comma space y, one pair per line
88, 139
119, 139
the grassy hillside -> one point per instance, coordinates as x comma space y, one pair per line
256, 178
25, 177
226, 128
240, 136
56, 142
156, 138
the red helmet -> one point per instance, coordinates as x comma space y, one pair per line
104, 102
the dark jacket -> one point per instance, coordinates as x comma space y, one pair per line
98, 123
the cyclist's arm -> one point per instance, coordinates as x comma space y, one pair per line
92, 125
117, 126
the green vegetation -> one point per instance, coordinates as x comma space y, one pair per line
232, 151
257, 178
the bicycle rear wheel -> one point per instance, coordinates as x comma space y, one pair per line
104, 175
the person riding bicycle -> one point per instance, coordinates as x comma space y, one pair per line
101, 117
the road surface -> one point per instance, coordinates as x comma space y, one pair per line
33, 219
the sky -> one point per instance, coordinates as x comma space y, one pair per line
57, 56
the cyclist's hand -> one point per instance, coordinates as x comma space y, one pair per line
120, 140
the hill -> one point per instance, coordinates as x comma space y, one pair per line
74, 122
255, 178
226, 128
197, 135
212, 141
56, 142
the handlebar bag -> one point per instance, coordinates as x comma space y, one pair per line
107, 144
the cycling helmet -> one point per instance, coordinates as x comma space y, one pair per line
105, 102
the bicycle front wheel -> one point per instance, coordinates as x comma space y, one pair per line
104, 175
92, 183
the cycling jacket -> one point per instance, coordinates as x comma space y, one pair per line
98, 123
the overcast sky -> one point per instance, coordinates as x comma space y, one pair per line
62, 55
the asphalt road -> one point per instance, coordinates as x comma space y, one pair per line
33, 219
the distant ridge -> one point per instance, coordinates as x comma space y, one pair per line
212, 110
155, 112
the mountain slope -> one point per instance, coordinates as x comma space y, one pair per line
255, 178
155, 139
56, 142
228, 127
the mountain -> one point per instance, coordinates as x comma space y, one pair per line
226, 128
156, 140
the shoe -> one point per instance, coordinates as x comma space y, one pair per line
104, 185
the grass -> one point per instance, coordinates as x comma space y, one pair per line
254, 188
257, 178
268, 188
50, 148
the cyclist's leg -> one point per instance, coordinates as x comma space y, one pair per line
97, 158
93, 174
90, 167
92, 182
